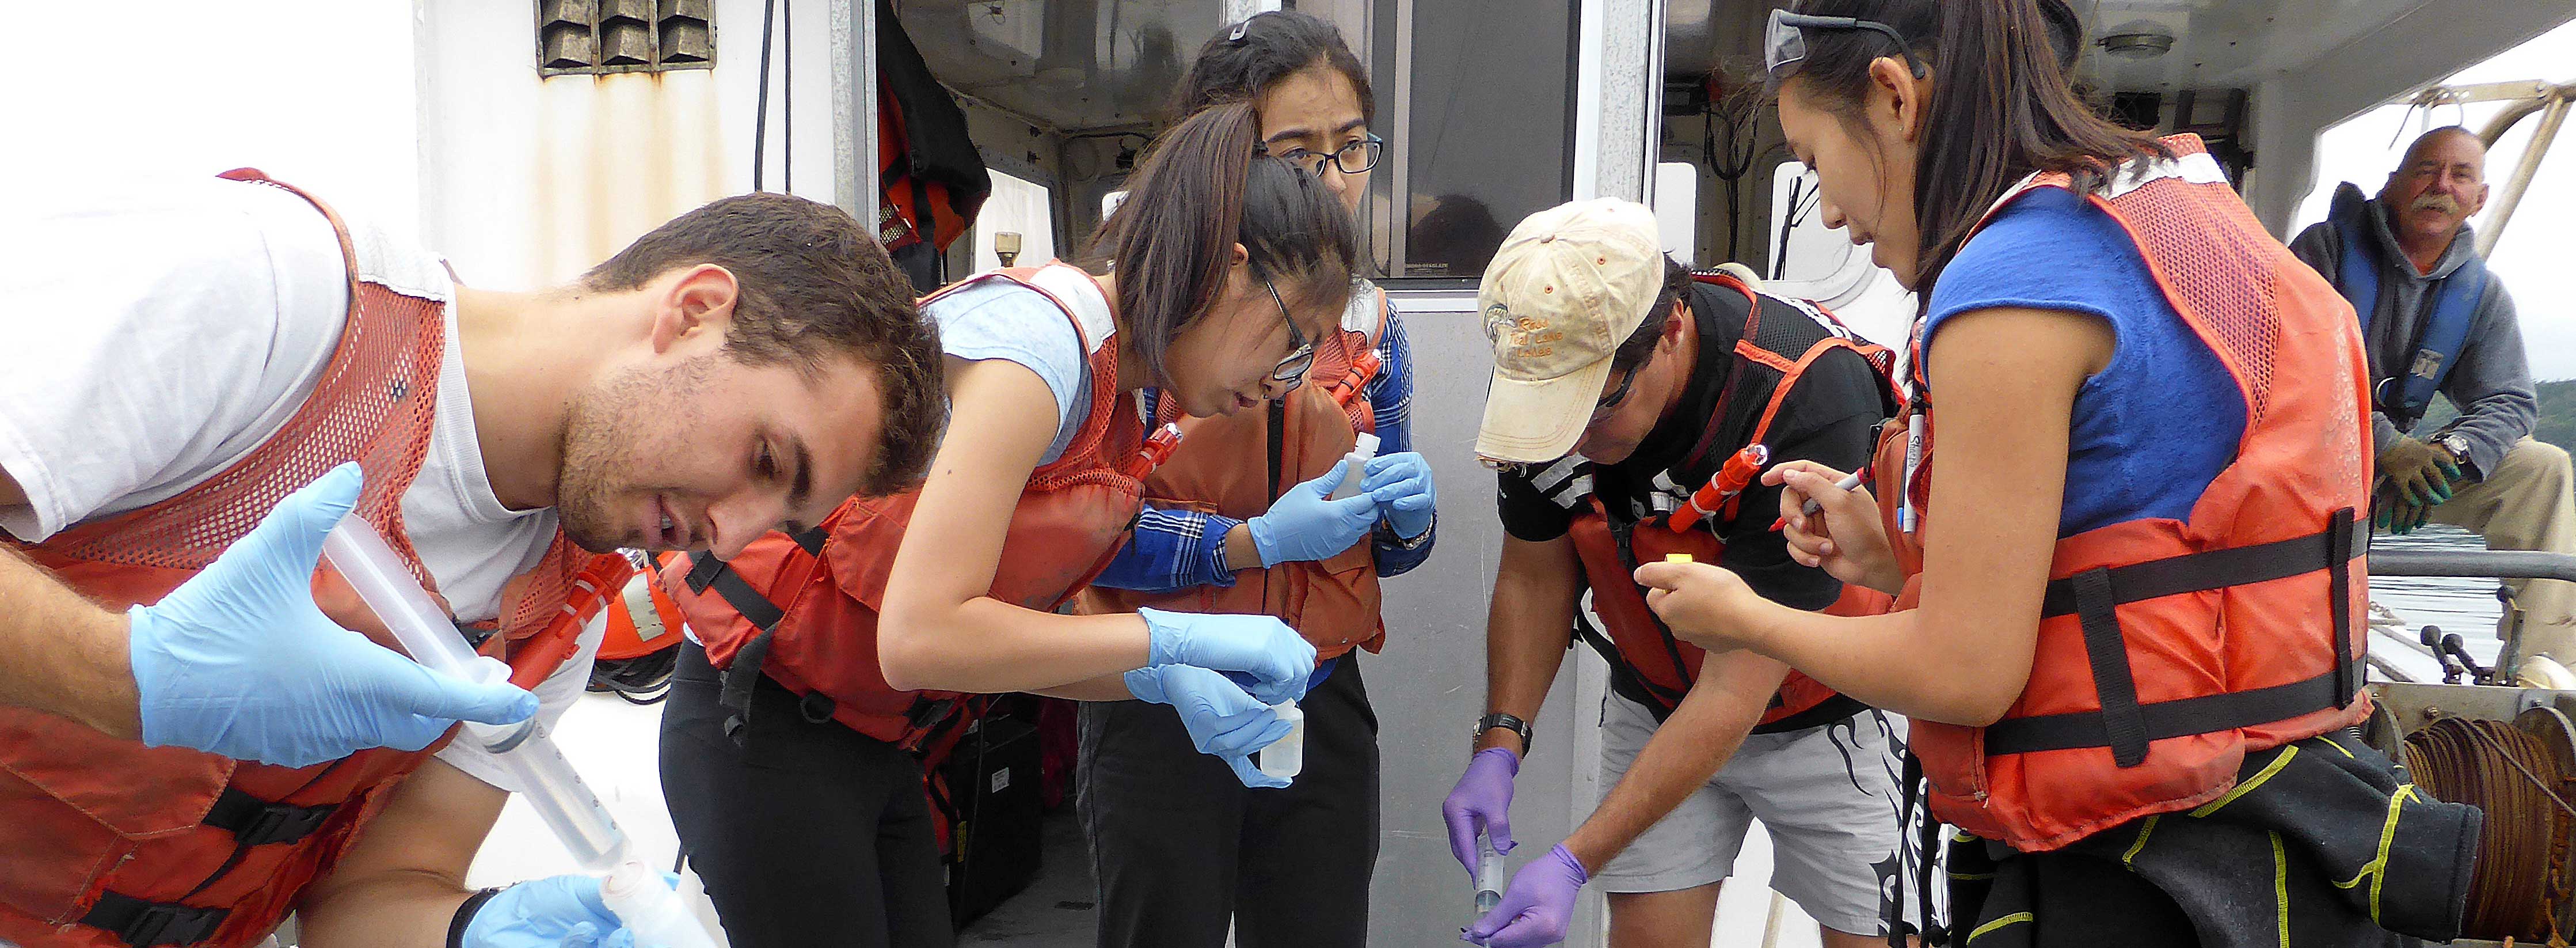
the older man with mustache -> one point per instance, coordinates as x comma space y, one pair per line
2435, 320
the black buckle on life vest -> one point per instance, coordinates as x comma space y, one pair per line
257, 822
143, 924
926, 713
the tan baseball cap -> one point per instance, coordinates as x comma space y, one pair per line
1568, 285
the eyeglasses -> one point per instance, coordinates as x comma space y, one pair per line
1787, 40
1352, 158
1616, 395
1301, 353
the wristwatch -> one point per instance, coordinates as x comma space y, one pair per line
2457, 444
1501, 720
1386, 534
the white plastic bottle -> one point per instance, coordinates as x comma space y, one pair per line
1359, 457
1287, 755
654, 912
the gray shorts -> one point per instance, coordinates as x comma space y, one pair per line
1828, 796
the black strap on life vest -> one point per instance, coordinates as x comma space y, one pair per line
1660, 701
257, 822
1624, 680
144, 924
742, 677
2127, 726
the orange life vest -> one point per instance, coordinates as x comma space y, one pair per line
1238, 465
643, 620
1648, 664
111, 843
2167, 649
803, 609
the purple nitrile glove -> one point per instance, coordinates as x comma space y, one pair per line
1482, 800
1536, 908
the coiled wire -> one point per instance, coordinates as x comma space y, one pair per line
2522, 872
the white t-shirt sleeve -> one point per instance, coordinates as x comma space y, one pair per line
997, 319
555, 696
158, 334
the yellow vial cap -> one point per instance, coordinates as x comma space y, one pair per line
1677, 557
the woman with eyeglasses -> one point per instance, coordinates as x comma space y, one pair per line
1239, 521
2120, 513
819, 660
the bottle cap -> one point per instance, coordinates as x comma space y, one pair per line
1677, 558
1367, 445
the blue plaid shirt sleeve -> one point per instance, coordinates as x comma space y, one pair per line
1172, 550
1391, 398
1176, 549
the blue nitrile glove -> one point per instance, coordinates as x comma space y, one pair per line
1482, 800
1537, 907
238, 661
1275, 655
554, 911
1222, 718
1302, 525
1401, 485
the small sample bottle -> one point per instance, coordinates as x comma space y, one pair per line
1359, 457
1287, 755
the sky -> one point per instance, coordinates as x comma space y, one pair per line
2533, 259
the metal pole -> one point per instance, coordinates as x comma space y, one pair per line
1399, 213
1771, 926
854, 109
2531, 155
2489, 564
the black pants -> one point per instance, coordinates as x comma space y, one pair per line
813, 834
1181, 847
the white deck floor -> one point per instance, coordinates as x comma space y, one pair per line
616, 748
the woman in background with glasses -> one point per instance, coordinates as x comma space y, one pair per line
819, 660
2119, 515
1238, 521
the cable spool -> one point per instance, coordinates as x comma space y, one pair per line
2523, 775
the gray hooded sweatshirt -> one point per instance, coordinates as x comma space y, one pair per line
2490, 382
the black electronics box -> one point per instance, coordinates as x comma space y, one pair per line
992, 777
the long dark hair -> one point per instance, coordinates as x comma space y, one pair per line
1203, 187
2003, 105
1250, 55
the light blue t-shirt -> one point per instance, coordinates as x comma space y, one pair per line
2156, 425
999, 319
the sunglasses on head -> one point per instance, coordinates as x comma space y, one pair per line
1785, 44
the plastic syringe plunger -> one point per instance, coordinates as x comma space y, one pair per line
545, 779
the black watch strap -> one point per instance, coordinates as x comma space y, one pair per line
1501, 720
465, 916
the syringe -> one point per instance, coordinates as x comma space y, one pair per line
546, 780
544, 777
1489, 876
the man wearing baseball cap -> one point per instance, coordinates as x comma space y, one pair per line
1631, 402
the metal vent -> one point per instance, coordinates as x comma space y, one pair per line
605, 36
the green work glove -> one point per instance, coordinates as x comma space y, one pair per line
2419, 472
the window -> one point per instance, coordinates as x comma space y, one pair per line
1485, 136
577, 37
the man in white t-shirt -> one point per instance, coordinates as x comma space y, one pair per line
175, 345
